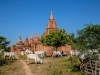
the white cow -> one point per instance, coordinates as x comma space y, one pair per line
34, 57
82, 56
57, 53
28, 51
42, 53
9, 54
74, 52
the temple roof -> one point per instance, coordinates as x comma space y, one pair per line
26, 43
52, 22
51, 25
36, 39
31, 38
51, 16
19, 42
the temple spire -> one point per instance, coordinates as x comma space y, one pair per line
26, 40
30, 36
51, 12
26, 36
36, 35
51, 16
19, 38
51, 25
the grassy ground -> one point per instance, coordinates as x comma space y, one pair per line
13, 68
56, 66
50, 66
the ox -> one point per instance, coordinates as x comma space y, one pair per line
74, 52
34, 57
9, 54
42, 53
28, 51
57, 54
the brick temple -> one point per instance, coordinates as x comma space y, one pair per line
34, 43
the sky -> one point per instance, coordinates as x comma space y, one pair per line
27, 17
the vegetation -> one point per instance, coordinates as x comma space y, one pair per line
23, 57
56, 38
3, 47
15, 68
4, 43
87, 39
54, 66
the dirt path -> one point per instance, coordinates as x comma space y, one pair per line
26, 67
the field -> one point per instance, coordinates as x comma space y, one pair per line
50, 66
13, 68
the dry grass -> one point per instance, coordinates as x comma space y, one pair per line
56, 66
14, 68
50, 66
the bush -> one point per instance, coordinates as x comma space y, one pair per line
4, 61
92, 57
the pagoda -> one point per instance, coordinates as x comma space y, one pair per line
34, 43
51, 25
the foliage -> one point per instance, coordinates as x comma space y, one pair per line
4, 43
54, 66
89, 37
4, 61
92, 57
3, 47
73, 41
56, 38
15, 68
57, 72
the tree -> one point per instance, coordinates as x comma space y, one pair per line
3, 47
89, 37
56, 38
73, 41
4, 43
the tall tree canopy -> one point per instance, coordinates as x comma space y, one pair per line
4, 43
88, 38
56, 38
73, 41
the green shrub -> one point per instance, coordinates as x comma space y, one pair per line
92, 57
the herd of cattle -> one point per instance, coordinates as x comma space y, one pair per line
37, 55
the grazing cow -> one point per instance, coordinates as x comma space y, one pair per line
42, 53
34, 57
28, 51
83, 59
57, 54
63, 53
9, 54
74, 52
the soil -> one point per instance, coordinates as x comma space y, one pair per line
25, 67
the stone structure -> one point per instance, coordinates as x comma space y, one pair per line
51, 25
34, 44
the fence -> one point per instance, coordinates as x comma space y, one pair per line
92, 68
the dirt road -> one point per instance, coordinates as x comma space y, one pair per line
25, 67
